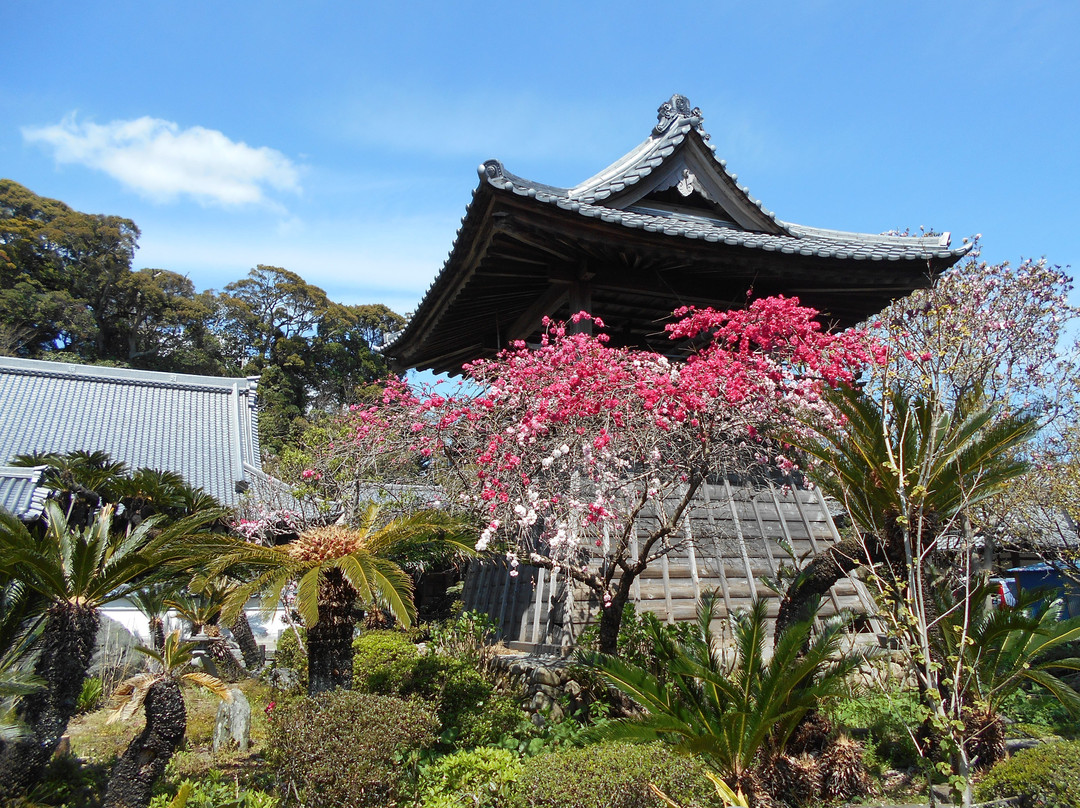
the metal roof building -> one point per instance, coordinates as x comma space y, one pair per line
664, 226
202, 427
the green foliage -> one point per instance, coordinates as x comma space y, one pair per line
388, 663
1002, 648
465, 637
730, 711
344, 749
481, 777
91, 694
887, 717
1039, 713
1046, 776
383, 662
214, 791
288, 653
612, 775
529, 740
635, 642
949, 459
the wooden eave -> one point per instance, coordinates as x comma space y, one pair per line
520, 261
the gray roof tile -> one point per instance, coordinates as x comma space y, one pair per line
677, 121
21, 492
202, 427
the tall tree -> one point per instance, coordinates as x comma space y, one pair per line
72, 260
309, 351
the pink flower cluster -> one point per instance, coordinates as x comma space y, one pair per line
576, 439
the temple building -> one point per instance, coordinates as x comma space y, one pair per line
666, 225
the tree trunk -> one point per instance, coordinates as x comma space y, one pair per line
829, 567
241, 631
818, 577
329, 641
67, 645
611, 617
228, 666
146, 757
157, 633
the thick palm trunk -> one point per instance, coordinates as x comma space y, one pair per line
228, 666
329, 641
146, 757
157, 633
241, 631
67, 644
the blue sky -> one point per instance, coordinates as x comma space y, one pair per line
340, 140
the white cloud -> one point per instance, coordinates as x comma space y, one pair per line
161, 161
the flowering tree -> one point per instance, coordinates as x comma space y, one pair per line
576, 452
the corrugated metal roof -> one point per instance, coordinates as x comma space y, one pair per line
21, 493
202, 427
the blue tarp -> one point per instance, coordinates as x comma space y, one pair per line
1050, 576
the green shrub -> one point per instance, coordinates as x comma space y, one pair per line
288, 653
1046, 775
481, 777
612, 775
887, 717
471, 714
345, 749
383, 662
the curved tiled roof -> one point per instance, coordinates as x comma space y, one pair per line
21, 492
678, 122
668, 220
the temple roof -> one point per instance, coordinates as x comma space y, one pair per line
22, 492
665, 225
202, 427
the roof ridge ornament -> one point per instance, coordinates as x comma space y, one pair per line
678, 106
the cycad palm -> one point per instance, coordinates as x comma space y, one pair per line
903, 468
1001, 649
730, 713
76, 571
158, 693
333, 568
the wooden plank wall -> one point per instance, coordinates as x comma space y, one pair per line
731, 539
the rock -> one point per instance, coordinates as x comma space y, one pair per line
546, 676
284, 679
572, 689
63, 749
233, 722
557, 713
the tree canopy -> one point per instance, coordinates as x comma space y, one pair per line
68, 290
